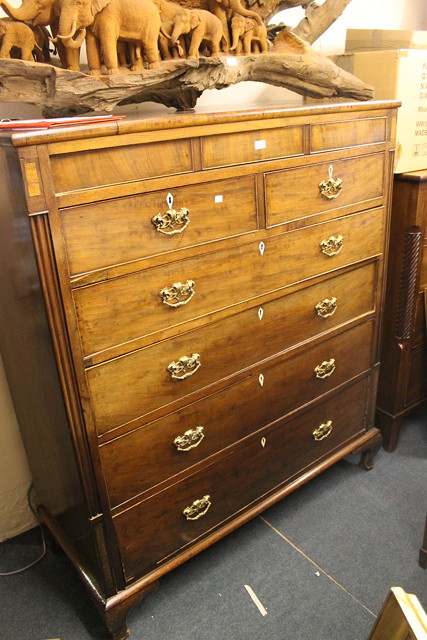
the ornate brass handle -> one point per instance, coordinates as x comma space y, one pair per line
172, 221
325, 368
184, 367
178, 294
323, 431
326, 308
330, 188
198, 508
332, 246
190, 439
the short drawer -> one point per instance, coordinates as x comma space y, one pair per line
328, 136
116, 231
118, 164
137, 461
174, 518
121, 310
298, 193
127, 388
251, 146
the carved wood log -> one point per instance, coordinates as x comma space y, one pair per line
178, 84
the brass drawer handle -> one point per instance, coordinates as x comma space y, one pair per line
178, 294
325, 369
172, 221
322, 431
184, 367
327, 307
198, 508
330, 188
332, 246
190, 439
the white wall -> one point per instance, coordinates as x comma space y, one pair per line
15, 516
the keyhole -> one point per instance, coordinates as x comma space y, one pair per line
263, 442
261, 248
261, 379
169, 200
260, 313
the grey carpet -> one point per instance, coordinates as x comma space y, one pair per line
320, 562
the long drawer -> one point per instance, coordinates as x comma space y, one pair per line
171, 444
112, 232
179, 515
133, 386
218, 280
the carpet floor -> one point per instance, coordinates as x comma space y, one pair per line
320, 562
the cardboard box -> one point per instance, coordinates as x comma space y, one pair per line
399, 75
384, 39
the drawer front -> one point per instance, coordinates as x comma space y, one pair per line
127, 388
220, 279
361, 181
172, 444
420, 330
122, 230
352, 133
423, 275
251, 146
115, 165
417, 385
159, 526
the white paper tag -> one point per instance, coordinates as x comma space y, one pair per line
218, 199
260, 144
231, 62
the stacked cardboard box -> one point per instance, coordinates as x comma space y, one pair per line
377, 58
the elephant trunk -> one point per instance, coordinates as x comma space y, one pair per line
22, 13
235, 42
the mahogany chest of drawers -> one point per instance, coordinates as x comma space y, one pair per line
403, 379
190, 319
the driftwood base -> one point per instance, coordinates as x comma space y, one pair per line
178, 84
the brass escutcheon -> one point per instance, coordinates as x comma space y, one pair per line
330, 188
184, 367
332, 246
198, 508
178, 294
322, 431
325, 369
190, 439
326, 308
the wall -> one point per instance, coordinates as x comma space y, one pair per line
15, 479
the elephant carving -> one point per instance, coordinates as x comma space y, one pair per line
225, 10
106, 22
167, 12
203, 27
248, 36
43, 13
18, 35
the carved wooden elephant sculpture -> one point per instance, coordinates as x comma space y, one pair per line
225, 10
43, 13
104, 23
18, 35
167, 12
202, 26
248, 36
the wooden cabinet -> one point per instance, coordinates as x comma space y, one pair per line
189, 322
403, 379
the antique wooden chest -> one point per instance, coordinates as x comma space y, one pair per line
190, 315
